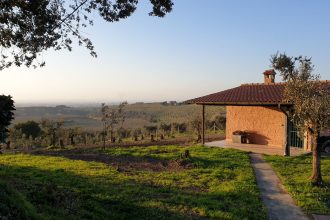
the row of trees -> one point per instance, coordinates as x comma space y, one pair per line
54, 133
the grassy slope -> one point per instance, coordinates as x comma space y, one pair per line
295, 173
13, 205
221, 186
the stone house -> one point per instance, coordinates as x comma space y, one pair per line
258, 110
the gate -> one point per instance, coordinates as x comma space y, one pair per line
294, 139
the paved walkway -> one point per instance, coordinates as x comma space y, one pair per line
255, 148
280, 205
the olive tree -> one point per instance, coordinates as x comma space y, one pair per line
310, 98
29, 27
111, 117
52, 129
29, 128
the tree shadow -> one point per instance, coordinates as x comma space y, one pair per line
63, 194
126, 162
123, 162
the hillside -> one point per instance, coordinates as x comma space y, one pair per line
137, 115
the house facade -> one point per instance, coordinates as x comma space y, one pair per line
263, 125
259, 111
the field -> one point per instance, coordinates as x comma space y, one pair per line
295, 172
130, 183
137, 115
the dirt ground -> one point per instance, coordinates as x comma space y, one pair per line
123, 163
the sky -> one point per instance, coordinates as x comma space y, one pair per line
201, 47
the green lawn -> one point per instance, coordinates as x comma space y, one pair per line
295, 172
134, 183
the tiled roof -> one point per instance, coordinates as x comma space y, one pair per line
248, 94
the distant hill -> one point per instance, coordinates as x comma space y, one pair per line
137, 115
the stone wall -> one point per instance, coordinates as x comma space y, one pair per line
266, 125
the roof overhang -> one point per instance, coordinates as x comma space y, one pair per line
239, 103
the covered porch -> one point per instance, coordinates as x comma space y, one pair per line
257, 118
255, 148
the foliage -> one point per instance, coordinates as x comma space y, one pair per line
136, 115
150, 129
27, 28
310, 98
292, 172
219, 185
196, 125
6, 115
29, 128
136, 133
81, 125
111, 117
123, 133
52, 130
71, 133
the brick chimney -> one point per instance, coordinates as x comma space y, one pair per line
269, 76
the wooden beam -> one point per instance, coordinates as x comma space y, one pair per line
203, 124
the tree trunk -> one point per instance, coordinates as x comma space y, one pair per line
316, 177
54, 138
112, 138
72, 141
103, 137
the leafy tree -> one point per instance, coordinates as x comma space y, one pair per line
52, 130
166, 128
14, 137
71, 133
111, 117
123, 133
6, 115
29, 128
310, 98
150, 129
29, 27
136, 132
181, 127
196, 126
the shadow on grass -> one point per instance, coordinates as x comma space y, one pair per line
64, 195
150, 161
124, 161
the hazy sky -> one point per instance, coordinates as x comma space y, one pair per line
203, 46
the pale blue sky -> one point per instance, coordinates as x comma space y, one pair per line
203, 46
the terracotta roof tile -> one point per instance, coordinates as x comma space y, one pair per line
245, 94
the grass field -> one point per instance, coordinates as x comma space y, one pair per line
295, 172
131, 183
